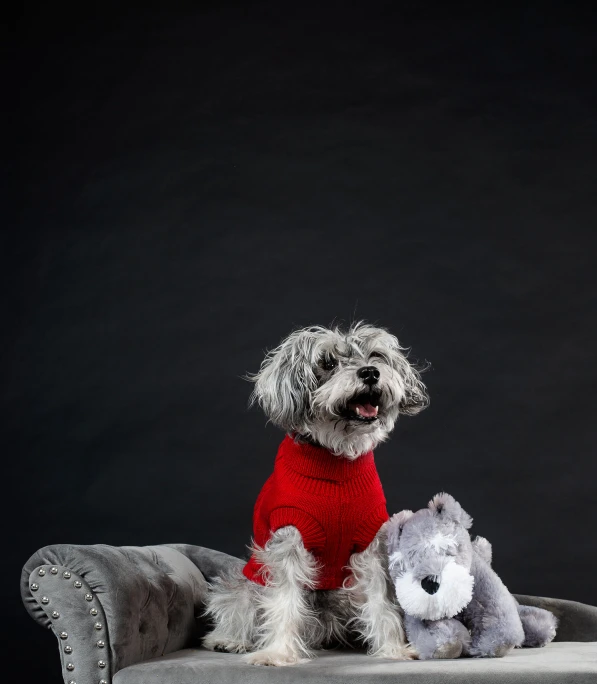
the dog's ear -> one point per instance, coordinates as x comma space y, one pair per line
446, 506
415, 393
285, 381
394, 528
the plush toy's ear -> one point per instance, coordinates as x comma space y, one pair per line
446, 506
394, 529
483, 548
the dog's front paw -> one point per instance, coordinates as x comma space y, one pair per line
398, 652
273, 658
224, 645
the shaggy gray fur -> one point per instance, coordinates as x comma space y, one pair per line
282, 623
305, 384
447, 588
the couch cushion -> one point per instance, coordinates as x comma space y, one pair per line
557, 663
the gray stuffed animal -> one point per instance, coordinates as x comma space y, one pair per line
454, 602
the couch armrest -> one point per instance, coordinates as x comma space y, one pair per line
111, 607
211, 563
576, 621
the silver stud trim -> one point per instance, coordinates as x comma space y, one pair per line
71, 681
45, 600
88, 597
70, 667
34, 587
41, 572
101, 663
54, 571
101, 644
93, 612
78, 584
68, 649
66, 574
63, 635
55, 615
103, 681
98, 625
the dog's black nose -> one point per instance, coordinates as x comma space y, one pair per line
429, 585
368, 374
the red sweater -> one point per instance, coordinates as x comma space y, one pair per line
337, 505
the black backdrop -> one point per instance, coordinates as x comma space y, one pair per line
192, 185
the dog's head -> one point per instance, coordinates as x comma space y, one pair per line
430, 555
342, 390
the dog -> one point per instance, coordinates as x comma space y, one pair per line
318, 571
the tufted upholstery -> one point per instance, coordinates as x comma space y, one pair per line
146, 598
112, 608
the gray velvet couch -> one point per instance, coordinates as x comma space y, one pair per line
130, 615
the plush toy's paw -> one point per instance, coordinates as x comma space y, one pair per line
490, 651
224, 645
539, 626
499, 635
451, 649
440, 639
273, 658
397, 652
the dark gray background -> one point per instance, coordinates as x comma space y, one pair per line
192, 185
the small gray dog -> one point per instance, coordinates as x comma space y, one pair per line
454, 602
318, 572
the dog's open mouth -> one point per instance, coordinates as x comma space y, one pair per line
363, 407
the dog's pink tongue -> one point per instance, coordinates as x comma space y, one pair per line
366, 410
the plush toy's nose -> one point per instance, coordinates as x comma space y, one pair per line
429, 585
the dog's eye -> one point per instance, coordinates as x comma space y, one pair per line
377, 355
328, 362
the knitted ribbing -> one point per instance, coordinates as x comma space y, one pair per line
338, 506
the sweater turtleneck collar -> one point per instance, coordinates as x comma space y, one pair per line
311, 460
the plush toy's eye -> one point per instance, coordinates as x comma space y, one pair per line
328, 362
